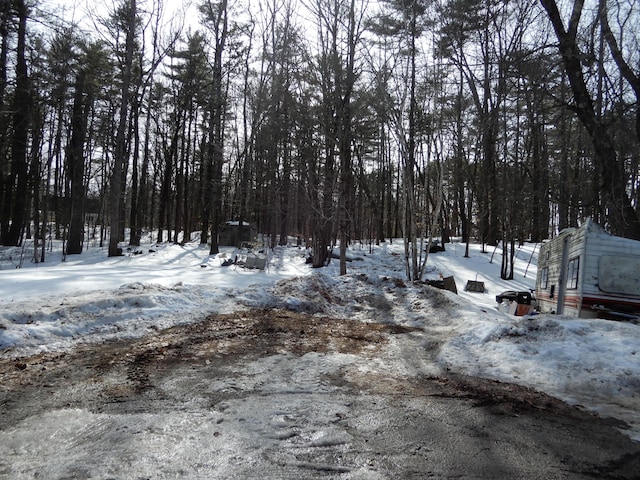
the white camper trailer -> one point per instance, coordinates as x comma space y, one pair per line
586, 272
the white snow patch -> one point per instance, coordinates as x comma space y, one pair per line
91, 298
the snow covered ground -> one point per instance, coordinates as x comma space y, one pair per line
90, 298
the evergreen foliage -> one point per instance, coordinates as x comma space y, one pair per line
328, 121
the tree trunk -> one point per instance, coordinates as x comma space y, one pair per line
344, 110
135, 227
218, 15
21, 115
75, 165
621, 214
5, 177
117, 186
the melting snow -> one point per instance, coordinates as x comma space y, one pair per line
91, 298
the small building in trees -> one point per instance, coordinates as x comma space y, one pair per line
233, 234
586, 272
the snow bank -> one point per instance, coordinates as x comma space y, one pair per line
92, 298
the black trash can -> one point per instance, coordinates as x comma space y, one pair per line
523, 298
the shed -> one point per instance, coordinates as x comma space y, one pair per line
587, 272
233, 234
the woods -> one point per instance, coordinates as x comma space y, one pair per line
332, 121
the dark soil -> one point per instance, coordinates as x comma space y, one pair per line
446, 426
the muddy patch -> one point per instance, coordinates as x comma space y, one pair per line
284, 394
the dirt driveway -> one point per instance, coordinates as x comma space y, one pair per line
275, 394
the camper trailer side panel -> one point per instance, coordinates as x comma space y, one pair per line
545, 292
595, 243
573, 273
553, 276
602, 273
611, 278
549, 266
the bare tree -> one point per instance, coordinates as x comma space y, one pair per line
129, 10
162, 39
216, 17
621, 214
406, 22
75, 162
16, 194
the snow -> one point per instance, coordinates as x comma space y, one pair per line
90, 298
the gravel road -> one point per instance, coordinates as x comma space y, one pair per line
276, 394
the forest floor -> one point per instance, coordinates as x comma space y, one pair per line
270, 393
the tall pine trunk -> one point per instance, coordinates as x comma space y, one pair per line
5, 177
217, 14
75, 165
21, 113
120, 158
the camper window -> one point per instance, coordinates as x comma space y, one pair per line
544, 278
572, 273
